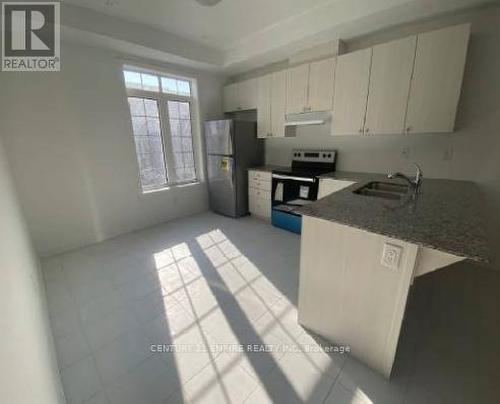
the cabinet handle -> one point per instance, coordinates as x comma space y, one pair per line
367, 130
408, 129
360, 131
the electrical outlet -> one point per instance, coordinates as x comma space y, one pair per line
391, 255
405, 153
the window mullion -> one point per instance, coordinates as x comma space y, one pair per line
167, 139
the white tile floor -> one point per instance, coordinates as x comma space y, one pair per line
209, 281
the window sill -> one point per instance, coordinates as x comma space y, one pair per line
171, 186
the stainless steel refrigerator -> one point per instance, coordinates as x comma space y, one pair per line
232, 147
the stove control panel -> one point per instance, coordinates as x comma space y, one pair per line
314, 156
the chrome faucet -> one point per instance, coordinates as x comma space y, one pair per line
415, 183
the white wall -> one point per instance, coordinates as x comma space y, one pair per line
28, 365
68, 138
475, 146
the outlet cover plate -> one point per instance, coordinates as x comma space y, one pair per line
391, 256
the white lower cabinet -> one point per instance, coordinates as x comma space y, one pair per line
328, 186
259, 184
259, 193
260, 207
351, 297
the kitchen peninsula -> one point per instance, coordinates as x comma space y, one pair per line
360, 252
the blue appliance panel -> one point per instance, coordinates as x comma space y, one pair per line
286, 221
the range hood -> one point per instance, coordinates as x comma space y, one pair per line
305, 122
308, 118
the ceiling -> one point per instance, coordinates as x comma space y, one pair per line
237, 35
221, 26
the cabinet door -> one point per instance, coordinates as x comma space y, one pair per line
231, 97
296, 89
390, 77
248, 94
321, 79
260, 207
278, 102
350, 94
264, 106
437, 80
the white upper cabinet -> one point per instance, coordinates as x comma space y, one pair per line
411, 85
321, 79
352, 76
390, 77
310, 87
278, 102
248, 94
437, 80
296, 89
240, 96
231, 97
271, 97
264, 88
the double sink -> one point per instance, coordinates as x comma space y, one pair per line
384, 190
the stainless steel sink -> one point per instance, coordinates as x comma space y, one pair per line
384, 190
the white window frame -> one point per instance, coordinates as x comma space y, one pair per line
162, 99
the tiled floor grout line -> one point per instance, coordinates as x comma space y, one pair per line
84, 335
276, 320
93, 351
83, 327
335, 379
91, 354
230, 260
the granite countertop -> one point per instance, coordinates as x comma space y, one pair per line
445, 216
269, 168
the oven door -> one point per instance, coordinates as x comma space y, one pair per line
293, 190
288, 193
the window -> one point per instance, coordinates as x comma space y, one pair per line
182, 142
175, 86
148, 142
160, 109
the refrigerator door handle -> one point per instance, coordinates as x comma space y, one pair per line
233, 173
